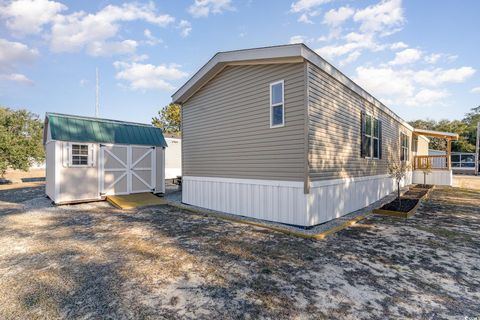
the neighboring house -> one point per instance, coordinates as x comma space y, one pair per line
278, 133
90, 158
173, 157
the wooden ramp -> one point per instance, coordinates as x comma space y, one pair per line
136, 200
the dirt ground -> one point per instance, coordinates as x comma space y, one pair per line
464, 181
19, 175
92, 261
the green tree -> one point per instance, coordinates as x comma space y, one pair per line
472, 119
20, 139
466, 129
169, 118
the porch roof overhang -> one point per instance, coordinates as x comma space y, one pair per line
436, 134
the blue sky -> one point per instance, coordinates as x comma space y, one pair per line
418, 57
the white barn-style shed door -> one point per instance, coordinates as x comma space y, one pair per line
126, 169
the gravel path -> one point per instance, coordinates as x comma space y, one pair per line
92, 261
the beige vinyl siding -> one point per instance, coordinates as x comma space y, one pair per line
335, 133
422, 147
226, 125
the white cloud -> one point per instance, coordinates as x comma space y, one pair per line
14, 55
103, 48
29, 16
440, 76
304, 17
385, 82
475, 90
433, 58
354, 42
151, 39
203, 8
374, 21
297, 39
406, 56
335, 18
398, 45
427, 97
79, 30
148, 76
307, 8
16, 77
306, 5
185, 28
383, 18
350, 58
409, 86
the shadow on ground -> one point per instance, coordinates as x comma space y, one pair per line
94, 261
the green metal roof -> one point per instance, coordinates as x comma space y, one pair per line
85, 129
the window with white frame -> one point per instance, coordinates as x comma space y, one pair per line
404, 146
277, 105
79, 154
371, 137
376, 138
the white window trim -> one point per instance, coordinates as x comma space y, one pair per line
371, 136
70, 155
407, 153
377, 138
277, 104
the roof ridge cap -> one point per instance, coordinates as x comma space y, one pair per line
99, 119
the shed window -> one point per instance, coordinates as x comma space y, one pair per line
371, 137
79, 154
277, 112
404, 143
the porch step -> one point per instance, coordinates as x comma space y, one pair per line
136, 200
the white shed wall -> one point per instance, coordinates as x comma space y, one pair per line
50, 157
77, 183
65, 183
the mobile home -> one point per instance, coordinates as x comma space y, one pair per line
278, 133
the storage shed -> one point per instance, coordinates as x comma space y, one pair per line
90, 158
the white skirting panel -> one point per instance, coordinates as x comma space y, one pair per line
280, 201
437, 177
284, 201
332, 199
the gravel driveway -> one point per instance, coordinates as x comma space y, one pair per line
92, 261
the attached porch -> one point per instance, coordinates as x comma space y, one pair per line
439, 167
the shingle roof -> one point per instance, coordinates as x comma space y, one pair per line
85, 129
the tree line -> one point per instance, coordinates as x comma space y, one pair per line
465, 128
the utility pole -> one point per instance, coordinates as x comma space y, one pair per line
97, 93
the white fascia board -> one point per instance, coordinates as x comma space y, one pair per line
317, 60
221, 59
